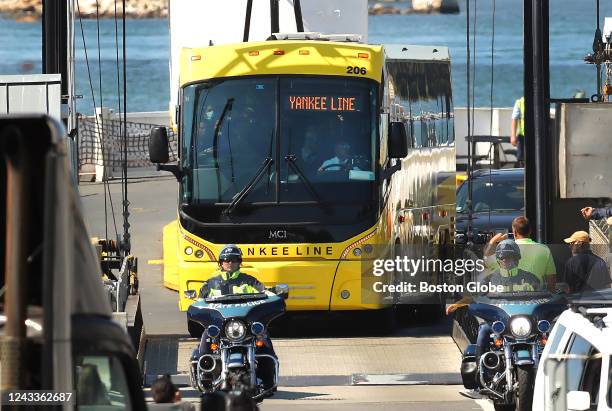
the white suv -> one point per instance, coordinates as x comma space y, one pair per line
574, 372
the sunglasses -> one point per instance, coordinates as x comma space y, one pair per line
230, 260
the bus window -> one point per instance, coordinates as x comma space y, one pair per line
327, 135
230, 137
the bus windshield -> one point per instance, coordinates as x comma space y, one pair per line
279, 141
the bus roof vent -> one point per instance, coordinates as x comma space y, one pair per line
351, 38
307, 35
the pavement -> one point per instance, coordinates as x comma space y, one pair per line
153, 204
323, 367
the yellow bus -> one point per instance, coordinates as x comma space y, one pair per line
309, 155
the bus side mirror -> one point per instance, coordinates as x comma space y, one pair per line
397, 144
158, 145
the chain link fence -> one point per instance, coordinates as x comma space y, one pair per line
600, 234
100, 143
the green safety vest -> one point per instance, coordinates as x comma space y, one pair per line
521, 124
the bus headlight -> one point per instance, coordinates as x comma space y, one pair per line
235, 330
520, 327
188, 250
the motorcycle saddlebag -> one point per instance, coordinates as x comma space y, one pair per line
469, 368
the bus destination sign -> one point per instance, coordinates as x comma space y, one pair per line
323, 103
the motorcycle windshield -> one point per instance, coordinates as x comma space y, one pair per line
250, 307
499, 306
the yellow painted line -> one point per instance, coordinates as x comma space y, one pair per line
155, 262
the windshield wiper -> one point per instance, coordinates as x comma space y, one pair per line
226, 110
290, 159
250, 185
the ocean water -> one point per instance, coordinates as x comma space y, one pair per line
572, 27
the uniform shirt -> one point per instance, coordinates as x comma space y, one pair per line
585, 271
223, 283
536, 258
517, 114
521, 281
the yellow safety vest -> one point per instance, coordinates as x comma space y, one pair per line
521, 124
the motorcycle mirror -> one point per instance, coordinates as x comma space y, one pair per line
191, 294
282, 290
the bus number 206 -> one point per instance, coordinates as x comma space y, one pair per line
356, 70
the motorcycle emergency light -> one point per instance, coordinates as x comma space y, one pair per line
498, 327
213, 331
214, 346
499, 342
543, 326
259, 343
257, 328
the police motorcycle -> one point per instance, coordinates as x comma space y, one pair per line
234, 349
516, 326
514, 321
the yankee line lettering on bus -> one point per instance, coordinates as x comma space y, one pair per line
322, 103
290, 251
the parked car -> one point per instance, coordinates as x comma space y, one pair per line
497, 198
575, 370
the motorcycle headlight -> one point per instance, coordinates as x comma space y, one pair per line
520, 327
235, 330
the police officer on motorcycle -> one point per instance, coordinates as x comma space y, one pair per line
229, 280
512, 278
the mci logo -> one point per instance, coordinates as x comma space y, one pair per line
277, 234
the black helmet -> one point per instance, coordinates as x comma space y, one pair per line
230, 252
507, 249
